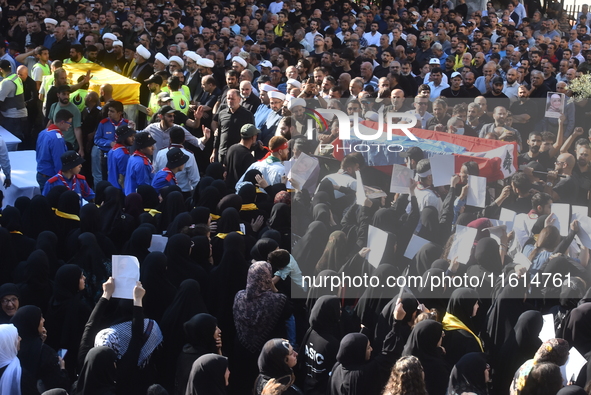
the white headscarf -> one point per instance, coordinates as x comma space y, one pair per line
10, 382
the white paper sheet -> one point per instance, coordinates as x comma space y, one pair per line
400, 180
574, 364
476, 191
158, 243
462, 245
522, 260
581, 210
562, 212
415, 244
508, 218
302, 169
442, 169
374, 193
584, 233
547, 331
496, 232
126, 272
377, 241
287, 165
360, 189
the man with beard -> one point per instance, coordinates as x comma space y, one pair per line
155, 87
107, 56
271, 166
511, 86
472, 92
128, 53
407, 79
383, 69
129, 35
192, 77
141, 72
538, 88
239, 157
91, 53
160, 131
498, 126
456, 90
582, 170
263, 111
248, 99
269, 127
139, 27
549, 77
159, 43
226, 123
60, 50
160, 62
398, 102
546, 158
565, 187
120, 60
522, 111
50, 25
496, 96
204, 68
232, 82
74, 134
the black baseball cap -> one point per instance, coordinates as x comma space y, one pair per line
249, 130
154, 78
166, 110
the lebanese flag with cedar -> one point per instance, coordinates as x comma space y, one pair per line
496, 159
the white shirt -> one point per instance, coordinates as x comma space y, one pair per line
271, 171
561, 78
511, 90
342, 180
187, 178
275, 7
522, 225
162, 137
310, 38
444, 79
424, 119
372, 39
436, 90
520, 10
426, 197
11, 60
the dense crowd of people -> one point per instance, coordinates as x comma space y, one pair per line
232, 97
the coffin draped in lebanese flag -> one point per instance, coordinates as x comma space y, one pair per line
496, 159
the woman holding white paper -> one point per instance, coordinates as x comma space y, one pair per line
547, 245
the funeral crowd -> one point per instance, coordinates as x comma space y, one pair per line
229, 188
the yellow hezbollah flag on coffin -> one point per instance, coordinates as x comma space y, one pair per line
125, 90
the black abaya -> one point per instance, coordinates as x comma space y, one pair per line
159, 291
521, 345
199, 332
422, 343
